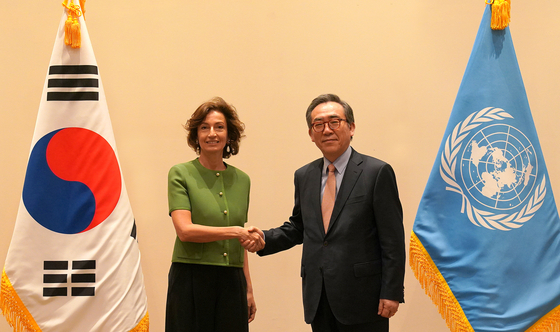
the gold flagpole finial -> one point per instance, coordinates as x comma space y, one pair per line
501, 13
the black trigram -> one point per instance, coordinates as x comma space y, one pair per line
73, 83
56, 272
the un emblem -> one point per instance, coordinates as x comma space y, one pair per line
497, 171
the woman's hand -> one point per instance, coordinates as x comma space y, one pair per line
251, 240
189, 232
251, 306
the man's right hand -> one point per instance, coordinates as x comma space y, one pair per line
256, 241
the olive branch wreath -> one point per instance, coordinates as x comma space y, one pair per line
453, 144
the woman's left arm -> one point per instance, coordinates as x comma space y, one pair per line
252, 307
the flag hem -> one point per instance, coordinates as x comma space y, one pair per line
435, 286
13, 309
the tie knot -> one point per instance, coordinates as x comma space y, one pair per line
331, 168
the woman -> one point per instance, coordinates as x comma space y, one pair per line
209, 283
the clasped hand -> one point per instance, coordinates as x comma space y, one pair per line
252, 239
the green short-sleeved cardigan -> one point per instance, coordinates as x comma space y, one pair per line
215, 198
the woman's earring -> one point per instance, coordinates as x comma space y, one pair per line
228, 146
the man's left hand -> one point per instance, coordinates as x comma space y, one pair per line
387, 308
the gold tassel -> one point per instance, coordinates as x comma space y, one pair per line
501, 13
72, 34
68, 31
143, 326
14, 310
76, 34
434, 284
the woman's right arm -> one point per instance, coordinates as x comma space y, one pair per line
189, 232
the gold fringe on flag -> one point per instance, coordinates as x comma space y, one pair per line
72, 33
143, 326
501, 13
433, 283
14, 310
548, 323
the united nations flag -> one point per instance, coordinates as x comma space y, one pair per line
486, 239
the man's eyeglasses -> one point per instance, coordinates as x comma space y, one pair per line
318, 127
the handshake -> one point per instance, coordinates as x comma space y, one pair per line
251, 239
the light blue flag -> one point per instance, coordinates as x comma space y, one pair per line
485, 243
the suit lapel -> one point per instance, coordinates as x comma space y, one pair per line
351, 175
313, 178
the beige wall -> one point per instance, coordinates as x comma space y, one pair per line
398, 63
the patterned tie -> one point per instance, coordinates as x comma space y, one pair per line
328, 197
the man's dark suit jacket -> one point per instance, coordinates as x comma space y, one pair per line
361, 258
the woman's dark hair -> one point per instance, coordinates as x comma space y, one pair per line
235, 127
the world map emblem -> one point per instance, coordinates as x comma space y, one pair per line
494, 167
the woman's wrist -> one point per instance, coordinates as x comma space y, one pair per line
237, 232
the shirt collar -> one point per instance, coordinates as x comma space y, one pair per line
340, 163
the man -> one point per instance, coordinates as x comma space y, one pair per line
353, 261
